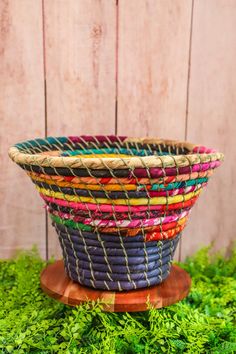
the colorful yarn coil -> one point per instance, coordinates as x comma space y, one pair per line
119, 205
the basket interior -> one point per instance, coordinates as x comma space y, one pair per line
95, 147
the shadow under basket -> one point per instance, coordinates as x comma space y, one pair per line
118, 204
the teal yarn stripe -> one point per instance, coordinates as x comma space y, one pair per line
131, 151
42, 142
174, 185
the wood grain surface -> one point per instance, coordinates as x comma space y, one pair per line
153, 53
80, 45
21, 117
137, 67
212, 121
58, 285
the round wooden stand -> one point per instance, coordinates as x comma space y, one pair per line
57, 285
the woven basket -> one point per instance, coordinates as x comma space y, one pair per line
118, 204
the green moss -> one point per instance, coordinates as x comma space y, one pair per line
204, 322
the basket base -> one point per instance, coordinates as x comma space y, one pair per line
58, 285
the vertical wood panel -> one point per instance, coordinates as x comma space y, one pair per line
80, 53
211, 121
21, 117
153, 67
80, 45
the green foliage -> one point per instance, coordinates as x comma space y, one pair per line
204, 322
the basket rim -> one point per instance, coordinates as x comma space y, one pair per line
200, 155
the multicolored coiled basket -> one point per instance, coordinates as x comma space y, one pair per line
119, 205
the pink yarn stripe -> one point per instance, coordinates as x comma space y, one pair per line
202, 150
176, 191
105, 207
123, 223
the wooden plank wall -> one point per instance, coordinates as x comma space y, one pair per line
212, 120
137, 67
21, 117
81, 79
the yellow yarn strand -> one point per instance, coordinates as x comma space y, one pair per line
131, 201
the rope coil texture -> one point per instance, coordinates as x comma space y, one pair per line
118, 204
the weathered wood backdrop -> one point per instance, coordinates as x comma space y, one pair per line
136, 67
